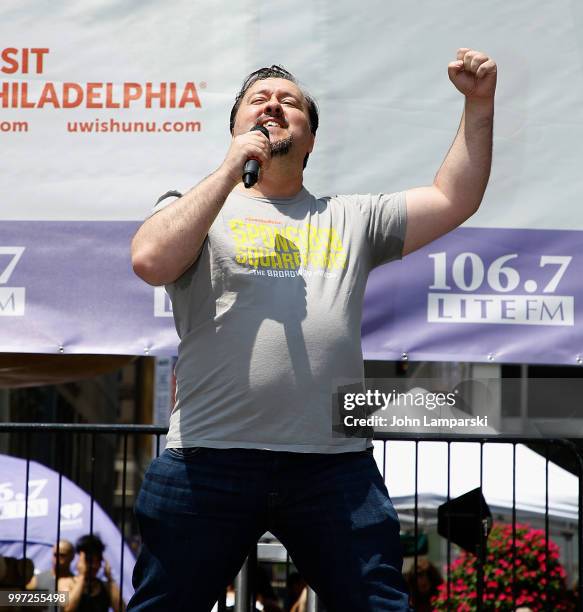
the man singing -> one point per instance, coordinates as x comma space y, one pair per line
267, 284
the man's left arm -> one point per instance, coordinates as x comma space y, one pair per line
461, 181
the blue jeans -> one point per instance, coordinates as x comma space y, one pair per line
201, 510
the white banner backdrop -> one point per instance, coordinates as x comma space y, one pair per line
106, 105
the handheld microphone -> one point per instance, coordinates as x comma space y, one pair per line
251, 168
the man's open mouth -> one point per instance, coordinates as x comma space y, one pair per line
272, 123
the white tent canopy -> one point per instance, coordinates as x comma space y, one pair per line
465, 475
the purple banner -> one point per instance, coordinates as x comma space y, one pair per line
73, 290
496, 295
44, 517
484, 295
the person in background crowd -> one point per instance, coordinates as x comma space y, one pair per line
301, 604
87, 593
266, 600
295, 585
61, 559
423, 586
60, 565
229, 598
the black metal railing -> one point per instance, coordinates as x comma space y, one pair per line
502, 439
26, 431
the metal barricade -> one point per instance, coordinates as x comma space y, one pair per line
244, 584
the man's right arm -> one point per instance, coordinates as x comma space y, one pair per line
170, 241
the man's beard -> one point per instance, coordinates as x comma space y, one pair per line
281, 147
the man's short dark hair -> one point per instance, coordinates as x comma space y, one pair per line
91, 545
275, 72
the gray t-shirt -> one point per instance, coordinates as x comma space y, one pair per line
269, 319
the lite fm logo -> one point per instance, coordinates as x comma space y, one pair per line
11, 298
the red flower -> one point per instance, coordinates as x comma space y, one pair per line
531, 584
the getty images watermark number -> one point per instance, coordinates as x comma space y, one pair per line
34, 599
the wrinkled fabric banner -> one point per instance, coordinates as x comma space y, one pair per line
105, 106
475, 294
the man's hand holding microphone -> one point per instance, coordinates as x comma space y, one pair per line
169, 242
247, 154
